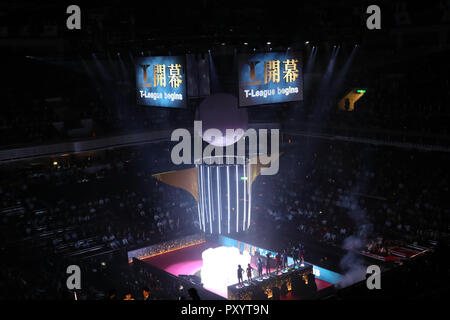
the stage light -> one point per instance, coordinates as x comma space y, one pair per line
209, 201
219, 201
203, 201
245, 44
249, 197
269, 43
220, 265
217, 182
228, 197
245, 200
306, 42
55, 163
237, 199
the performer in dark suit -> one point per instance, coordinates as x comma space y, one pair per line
240, 271
284, 259
259, 265
294, 254
268, 263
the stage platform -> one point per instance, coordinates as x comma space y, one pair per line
188, 261
265, 283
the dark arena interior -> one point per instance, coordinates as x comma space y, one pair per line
224, 151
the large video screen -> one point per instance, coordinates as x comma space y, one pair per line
270, 77
161, 81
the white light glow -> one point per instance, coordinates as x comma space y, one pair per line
237, 200
249, 198
219, 202
209, 203
245, 200
203, 197
220, 266
199, 215
228, 196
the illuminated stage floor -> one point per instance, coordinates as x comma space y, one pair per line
189, 261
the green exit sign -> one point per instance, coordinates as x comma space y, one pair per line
361, 91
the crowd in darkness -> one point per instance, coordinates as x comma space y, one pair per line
58, 209
94, 207
328, 190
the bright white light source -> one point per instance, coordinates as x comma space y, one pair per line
220, 266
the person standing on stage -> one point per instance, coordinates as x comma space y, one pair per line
294, 255
259, 265
268, 263
249, 272
278, 260
284, 259
240, 271
300, 254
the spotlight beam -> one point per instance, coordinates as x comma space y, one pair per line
343, 72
